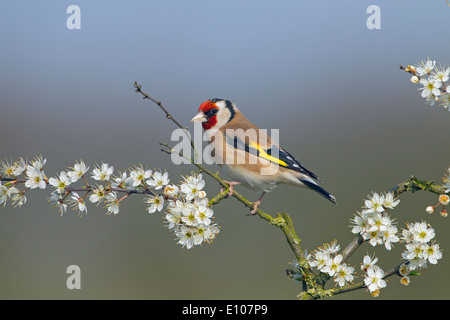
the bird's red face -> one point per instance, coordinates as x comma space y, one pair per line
207, 114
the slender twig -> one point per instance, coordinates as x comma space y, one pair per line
168, 116
157, 102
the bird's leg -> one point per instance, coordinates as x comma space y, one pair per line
231, 184
256, 205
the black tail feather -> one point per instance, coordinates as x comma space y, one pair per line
324, 193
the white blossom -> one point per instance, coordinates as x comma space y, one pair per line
78, 170
138, 175
426, 67
156, 203
7, 168
368, 261
35, 178
61, 182
159, 180
432, 253
389, 201
374, 278
103, 173
112, 203
20, 166
192, 186
374, 203
332, 265
38, 162
344, 275
77, 203
185, 236
441, 73
430, 87
4, 194
98, 194
18, 197
56, 201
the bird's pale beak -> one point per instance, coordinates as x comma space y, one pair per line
199, 117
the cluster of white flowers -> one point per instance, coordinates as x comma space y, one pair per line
373, 222
374, 275
433, 80
420, 246
327, 260
188, 214
376, 227
35, 178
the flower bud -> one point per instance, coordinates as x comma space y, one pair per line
414, 79
429, 209
171, 190
201, 194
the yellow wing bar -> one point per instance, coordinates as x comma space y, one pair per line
263, 154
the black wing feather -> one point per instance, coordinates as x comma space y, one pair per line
291, 162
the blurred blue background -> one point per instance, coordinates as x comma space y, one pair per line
312, 69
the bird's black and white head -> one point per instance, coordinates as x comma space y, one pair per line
215, 113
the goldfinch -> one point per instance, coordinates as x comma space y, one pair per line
248, 154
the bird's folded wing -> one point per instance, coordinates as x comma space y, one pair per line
274, 154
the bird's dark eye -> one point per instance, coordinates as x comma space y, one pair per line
214, 111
